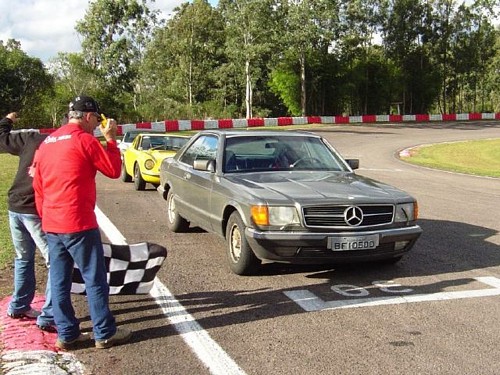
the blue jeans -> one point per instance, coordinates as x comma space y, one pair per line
27, 235
85, 249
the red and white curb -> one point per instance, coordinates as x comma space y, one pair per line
406, 153
27, 350
196, 125
183, 125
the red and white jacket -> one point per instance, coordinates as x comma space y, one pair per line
65, 167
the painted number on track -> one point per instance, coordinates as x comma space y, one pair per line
356, 291
361, 296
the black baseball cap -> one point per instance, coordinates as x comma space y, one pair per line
85, 104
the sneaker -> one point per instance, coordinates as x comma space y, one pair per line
121, 336
30, 314
73, 344
47, 328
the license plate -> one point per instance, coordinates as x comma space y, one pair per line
347, 243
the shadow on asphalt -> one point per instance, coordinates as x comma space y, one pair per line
444, 250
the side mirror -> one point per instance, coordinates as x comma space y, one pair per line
353, 163
206, 165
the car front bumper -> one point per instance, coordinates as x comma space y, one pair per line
311, 247
151, 177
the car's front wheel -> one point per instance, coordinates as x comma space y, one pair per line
124, 175
175, 222
139, 182
241, 258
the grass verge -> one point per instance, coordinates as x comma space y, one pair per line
480, 157
7, 172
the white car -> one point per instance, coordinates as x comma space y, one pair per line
128, 138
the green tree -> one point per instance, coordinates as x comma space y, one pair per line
307, 28
115, 34
407, 39
493, 76
180, 63
161, 98
375, 82
361, 21
462, 45
285, 83
473, 48
74, 73
23, 84
72, 76
249, 40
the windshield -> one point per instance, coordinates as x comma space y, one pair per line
166, 143
259, 153
129, 137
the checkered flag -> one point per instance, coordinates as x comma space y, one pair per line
131, 269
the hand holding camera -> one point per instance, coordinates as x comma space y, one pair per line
108, 128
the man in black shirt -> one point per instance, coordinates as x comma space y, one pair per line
25, 225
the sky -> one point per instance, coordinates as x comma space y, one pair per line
46, 27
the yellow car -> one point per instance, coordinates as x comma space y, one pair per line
142, 160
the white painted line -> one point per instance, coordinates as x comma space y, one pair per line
310, 302
200, 342
489, 280
207, 350
108, 228
379, 169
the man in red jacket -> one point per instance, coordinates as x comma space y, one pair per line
65, 191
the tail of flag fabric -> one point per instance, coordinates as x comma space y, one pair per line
131, 269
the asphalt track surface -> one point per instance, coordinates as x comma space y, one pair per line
434, 312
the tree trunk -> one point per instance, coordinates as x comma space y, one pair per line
302, 61
248, 99
190, 84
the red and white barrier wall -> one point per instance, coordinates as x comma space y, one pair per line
181, 125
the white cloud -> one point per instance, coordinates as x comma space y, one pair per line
46, 27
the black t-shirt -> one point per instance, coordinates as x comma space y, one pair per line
23, 144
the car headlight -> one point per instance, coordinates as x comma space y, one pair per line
149, 164
277, 216
406, 212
